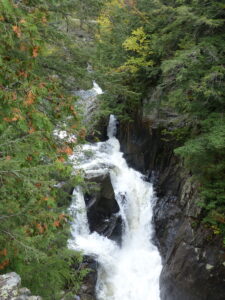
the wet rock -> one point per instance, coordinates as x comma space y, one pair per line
103, 209
193, 257
87, 291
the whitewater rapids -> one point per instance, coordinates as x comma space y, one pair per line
130, 271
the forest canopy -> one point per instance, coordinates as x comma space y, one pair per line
172, 49
35, 51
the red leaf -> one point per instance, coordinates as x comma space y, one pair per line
17, 30
35, 51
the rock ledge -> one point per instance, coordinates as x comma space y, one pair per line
10, 288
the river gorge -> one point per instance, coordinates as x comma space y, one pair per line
129, 271
122, 223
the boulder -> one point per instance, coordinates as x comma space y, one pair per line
10, 288
103, 209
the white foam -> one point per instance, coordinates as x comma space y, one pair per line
132, 271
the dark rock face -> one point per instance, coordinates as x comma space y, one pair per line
193, 257
87, 291
103, 208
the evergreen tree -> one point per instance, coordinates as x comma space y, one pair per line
177, 48
34, 225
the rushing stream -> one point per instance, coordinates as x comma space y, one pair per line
130, 271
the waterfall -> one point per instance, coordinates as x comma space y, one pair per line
130, 271
88, 102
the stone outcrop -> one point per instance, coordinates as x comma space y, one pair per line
10, 288
192, 255
10, 285
102, 208
87, 290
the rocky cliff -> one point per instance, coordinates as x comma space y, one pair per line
193, 256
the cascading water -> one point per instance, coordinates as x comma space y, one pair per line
130, 271
89, 101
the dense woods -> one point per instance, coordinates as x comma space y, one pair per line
169, 55
171, 52
35, 100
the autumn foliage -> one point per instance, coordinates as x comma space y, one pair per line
34, 102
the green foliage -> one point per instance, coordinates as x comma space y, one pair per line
204, 155
177, 48
139, 44
113, 63
33, 219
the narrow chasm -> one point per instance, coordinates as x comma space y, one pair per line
113, 225
192, 256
